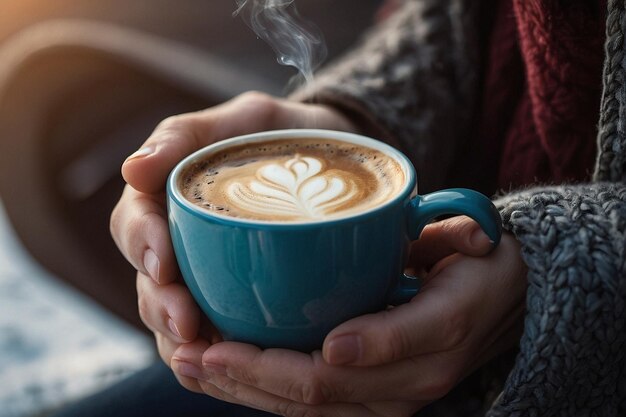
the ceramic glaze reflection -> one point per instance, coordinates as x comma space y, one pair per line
300, 187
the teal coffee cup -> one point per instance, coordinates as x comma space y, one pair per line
322, 250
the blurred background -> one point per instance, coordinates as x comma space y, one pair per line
82, 84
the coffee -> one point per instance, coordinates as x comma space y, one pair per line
293, 180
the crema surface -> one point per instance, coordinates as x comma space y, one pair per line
293, 180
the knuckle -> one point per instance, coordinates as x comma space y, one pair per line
245, 376
165, 347
397, 344
293, 409
344, 392
172, 128
187, 383
144, 308
309, 392
256, 98
134, 232
457, 328
462, 229
319, 387
165, 353
123, 235
228, 385
173, 123
259, 105
115, 222
457, 224
440, 385
210, 389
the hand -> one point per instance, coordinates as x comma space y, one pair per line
391, 363
139, 221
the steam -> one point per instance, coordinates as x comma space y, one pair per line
296, 42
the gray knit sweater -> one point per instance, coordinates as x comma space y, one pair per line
572, 355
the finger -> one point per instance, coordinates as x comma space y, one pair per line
139, 228
433, 321
168, 309
395, 408
184, 363
255, 398
213, 391
506, 339
178, 136
464, 301
166, 347
231, 390
443, 238
308, 379
187, 365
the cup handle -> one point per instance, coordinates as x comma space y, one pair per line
453, 201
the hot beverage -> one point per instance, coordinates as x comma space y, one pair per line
282, 235
304, 179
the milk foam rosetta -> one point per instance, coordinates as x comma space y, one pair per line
300, 187
293, 181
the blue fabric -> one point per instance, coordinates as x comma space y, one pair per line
154, 392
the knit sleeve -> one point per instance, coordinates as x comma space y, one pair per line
573, 351
411, 82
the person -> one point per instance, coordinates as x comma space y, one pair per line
500, 96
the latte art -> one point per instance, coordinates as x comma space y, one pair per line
299, 188
293, 180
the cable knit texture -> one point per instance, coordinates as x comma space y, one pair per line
611, 164
562, 49
573, 352
572, 355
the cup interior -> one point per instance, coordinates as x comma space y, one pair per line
175, 194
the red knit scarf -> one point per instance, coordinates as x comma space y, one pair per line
541, 94
542, 90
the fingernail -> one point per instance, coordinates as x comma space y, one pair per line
151, 263
189, 370
142, 153
173, 328
343, 350
479, 238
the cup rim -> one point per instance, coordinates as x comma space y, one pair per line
176, 196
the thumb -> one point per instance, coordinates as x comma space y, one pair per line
177, 136
443, 238
426, 324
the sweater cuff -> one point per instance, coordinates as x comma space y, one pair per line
353, 109
573, 240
